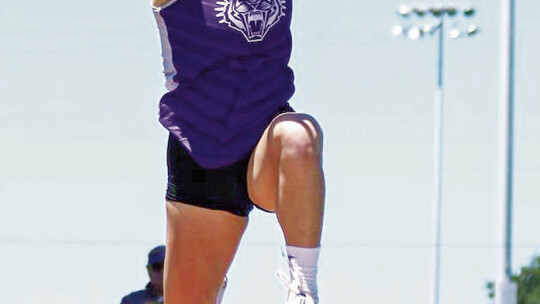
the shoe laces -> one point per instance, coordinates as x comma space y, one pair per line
296, 283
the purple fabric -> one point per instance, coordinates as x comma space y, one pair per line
231, 60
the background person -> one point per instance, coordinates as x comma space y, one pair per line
153, 293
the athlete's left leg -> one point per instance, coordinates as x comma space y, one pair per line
285, 175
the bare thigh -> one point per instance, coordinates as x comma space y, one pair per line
201, 244
262, 175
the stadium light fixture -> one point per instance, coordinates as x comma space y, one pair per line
414, 33
405, 10
421, 10
398, 30
472, 30
469, 11
451, 10
437, 10
454, 33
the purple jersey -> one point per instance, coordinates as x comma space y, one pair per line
226, 69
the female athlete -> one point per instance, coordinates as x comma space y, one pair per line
234, 143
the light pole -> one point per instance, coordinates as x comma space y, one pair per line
505, 289
422, 20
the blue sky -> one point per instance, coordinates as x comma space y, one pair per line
82, 158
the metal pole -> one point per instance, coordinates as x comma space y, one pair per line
506, 290
438, 153
439, 12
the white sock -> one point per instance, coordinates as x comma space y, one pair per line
307, 259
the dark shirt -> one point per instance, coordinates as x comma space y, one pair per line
145, 296
226, 67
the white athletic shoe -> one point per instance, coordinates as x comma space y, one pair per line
296, 284
221, 292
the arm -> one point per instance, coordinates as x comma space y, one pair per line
159, 3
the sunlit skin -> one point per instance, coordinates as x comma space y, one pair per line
158, 3
285, 176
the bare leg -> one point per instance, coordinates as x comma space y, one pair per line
201, 244
285, 175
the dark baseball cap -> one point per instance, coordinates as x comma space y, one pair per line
156, 255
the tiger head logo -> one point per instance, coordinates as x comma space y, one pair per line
253, 18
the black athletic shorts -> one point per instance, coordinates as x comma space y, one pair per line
220, 189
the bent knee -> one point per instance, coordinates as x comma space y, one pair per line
299, 136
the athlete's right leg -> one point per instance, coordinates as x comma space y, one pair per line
201, 244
